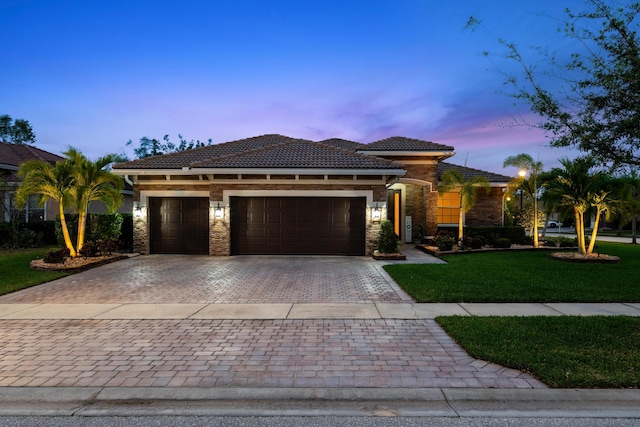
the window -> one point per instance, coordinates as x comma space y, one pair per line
31, 212
449, 208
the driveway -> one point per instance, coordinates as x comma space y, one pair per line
71, 349
182, 279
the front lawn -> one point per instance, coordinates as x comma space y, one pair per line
563, 352
15, 273
523, 277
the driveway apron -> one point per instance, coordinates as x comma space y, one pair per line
200, 352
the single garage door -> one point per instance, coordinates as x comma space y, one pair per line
179, 225
298, 225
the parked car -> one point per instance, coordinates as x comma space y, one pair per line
554, 224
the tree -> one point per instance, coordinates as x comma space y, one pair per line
627, 196
592, 100
48, 181
92, 181
74, 183
16, 132
454, 180
531, 185
578, 188
153, 147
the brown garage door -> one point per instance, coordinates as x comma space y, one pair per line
298, 225
179, 225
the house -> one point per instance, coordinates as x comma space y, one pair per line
273, 194
11, 157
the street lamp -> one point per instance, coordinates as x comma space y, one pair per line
521, 173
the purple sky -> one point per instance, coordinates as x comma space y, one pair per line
94, 74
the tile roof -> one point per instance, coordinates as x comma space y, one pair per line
16, 154
401, 143
13, 155
299, 153
186, 158
468, 172
343, 143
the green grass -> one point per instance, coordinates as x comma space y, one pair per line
563, 352
15, 273
523, 277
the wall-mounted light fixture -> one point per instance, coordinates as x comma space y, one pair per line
218, 211
138, 209
376, 213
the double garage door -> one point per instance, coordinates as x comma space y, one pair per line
298, 225
262, 225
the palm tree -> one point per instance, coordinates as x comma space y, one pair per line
578, 188
92, 182
454, 180
48, 181
531, 185
627, 195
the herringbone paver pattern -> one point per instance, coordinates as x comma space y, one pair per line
235, 353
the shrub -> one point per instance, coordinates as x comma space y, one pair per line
477, 242
445, 240
516, 234
503, 243
89, 249
56, 256
388, 241
99, 227
28, 239
566, 242
107, 246
126, 238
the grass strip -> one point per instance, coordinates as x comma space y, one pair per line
522, 277
563, 352
15, 273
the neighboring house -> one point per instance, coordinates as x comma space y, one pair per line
11, 157
274, 194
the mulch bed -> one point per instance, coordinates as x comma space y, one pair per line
588, 259
389, 257
74, 265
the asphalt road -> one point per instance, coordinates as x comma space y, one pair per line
180, 421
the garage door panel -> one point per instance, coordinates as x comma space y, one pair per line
179, 225
298, 225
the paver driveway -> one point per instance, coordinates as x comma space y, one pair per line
242, 353
163, 279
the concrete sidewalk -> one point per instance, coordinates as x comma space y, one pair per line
307, 311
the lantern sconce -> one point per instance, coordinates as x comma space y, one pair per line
376, 213
218, 211
138, 209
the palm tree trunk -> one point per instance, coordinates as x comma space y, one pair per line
82, 225
535, 221
594, 233
580, 230
65, 232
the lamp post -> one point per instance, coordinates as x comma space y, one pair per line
522, 173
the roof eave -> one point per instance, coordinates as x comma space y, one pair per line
259, 171
383, 153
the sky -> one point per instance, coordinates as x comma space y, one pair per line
96, 74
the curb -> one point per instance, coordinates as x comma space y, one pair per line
121, 401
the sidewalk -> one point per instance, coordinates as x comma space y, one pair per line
390, 311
